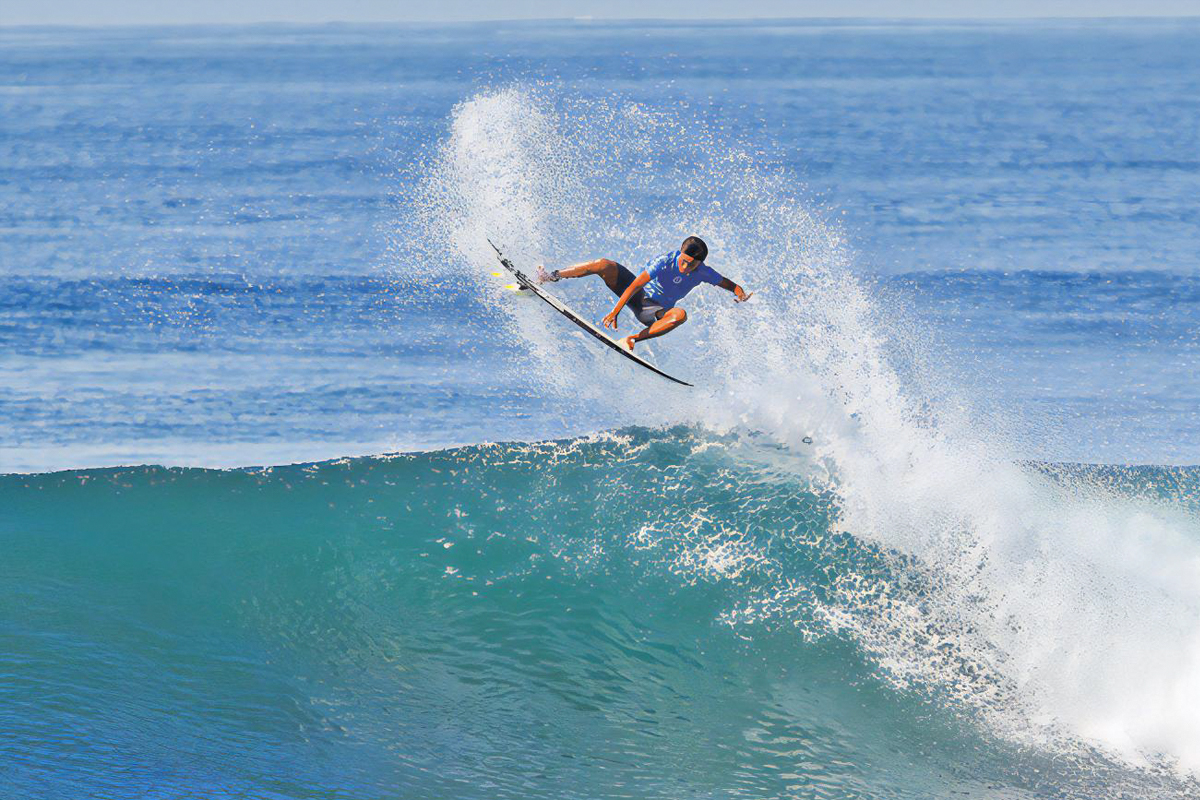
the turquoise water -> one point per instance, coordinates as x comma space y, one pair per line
573, 619
297, 501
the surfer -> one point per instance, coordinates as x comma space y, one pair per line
652, 295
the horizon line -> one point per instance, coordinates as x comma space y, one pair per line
586, 19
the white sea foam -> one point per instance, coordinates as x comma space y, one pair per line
1060, 611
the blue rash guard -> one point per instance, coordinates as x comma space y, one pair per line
668, 285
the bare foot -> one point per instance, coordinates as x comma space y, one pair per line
627, 343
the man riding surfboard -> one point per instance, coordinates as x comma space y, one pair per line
652, 295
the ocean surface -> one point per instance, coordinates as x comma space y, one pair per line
298, 501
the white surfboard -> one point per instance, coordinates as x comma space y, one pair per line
560, 307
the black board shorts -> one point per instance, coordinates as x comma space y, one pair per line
645, 309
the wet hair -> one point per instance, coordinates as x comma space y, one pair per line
695, 247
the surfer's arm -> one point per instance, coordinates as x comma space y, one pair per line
740, 294
610, 321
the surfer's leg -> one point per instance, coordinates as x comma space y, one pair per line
606, 268
668, 322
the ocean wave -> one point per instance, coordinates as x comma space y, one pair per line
674, 610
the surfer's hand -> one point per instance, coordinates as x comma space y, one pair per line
610, 320
740, 295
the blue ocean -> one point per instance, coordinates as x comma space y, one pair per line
298, 500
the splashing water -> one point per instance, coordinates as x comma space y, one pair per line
1057, 609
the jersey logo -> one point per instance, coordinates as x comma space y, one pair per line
678, 279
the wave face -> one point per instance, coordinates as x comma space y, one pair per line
665, 613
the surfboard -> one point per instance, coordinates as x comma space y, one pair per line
526, 284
